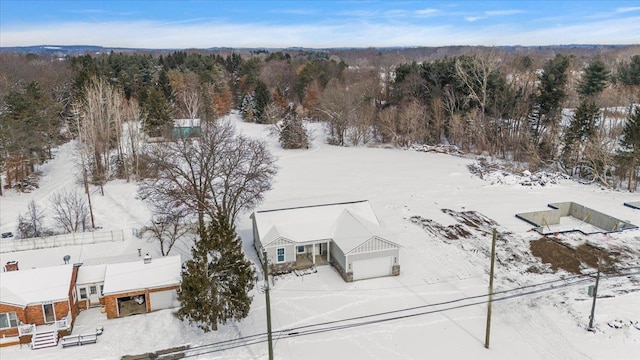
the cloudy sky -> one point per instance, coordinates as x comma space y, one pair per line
319, 24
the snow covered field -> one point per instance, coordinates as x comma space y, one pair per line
434, 309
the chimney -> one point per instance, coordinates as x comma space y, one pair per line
147, 258
11, 266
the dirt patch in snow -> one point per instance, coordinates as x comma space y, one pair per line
468, 222
451, 232
562, 256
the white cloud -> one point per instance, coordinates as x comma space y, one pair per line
474, 18
424, 12
148, 34
627, 9
503, 12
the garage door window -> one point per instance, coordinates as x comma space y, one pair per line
280, 253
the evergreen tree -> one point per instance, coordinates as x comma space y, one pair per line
262, 98
292, 133
583, 126
158, 112
594, 79
217, 280
551, 94
629, 154
248, 107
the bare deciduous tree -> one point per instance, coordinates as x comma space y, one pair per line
219, 172
31, 224
71, 211
100, 117
168, 228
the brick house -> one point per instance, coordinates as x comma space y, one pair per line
142, 286
39, 296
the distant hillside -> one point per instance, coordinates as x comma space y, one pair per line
409, 53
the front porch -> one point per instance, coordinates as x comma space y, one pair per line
28, 333
312, 254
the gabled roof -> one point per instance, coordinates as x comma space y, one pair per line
33, 286
132, 276
352, 230
88, 274
308, 223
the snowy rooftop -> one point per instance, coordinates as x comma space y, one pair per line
32, 286
309, 223
91, 274
181, 123
160, 272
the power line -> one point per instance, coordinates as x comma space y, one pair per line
335, 325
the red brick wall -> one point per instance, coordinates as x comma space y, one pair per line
111, 301
75, 308
4, 308
61, 309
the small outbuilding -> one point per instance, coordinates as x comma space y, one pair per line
346, 235
142, 286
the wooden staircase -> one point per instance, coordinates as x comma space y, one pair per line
44, 339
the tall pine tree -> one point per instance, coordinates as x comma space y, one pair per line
594, 79
217, 280
629, 154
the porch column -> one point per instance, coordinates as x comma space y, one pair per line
314, 254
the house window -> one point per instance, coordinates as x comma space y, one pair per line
93, 289
8, 320
101, 290
301, 249
83, 293
280, 253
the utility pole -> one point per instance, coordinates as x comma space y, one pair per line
265, 266
493, 261
84, 171
595, 294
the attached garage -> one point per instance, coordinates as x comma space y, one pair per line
346, 235
164, 299
142, 286
372, 268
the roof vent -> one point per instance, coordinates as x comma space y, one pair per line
147, 258
66, 259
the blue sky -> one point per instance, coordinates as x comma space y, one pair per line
320, 24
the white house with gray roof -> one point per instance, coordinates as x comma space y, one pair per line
346, 235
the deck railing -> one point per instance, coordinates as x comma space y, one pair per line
26, 329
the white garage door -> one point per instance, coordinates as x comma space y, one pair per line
365, 269
164, 299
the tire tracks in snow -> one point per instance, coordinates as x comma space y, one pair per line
540, 332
